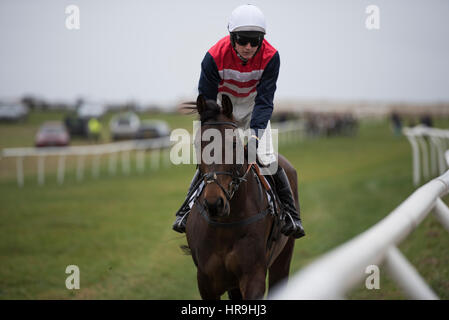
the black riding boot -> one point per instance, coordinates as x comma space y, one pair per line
181, 215
293, 226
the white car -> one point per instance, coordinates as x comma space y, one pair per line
14, 112
124, 126
153, 129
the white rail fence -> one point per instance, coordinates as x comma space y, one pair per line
289, 132
112, 150
336, 272
429, 146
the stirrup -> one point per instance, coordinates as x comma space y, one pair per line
294, 231
180, 223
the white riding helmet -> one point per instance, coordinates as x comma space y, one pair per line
247, 18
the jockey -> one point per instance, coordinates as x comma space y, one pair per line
244, 66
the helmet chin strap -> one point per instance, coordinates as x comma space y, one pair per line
244, 61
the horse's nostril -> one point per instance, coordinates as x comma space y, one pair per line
215, 207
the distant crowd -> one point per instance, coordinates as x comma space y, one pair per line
330, 124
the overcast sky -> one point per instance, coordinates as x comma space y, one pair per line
151, 51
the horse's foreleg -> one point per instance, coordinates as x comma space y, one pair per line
235, 294
280, 268
206, 287
252, 284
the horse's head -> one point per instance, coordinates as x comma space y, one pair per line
221, 154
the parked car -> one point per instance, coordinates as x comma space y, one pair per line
13, 112
77, 126
124, 126
52, 134
152, 129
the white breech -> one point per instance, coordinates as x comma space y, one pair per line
267, 150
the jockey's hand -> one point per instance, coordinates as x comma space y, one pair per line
253, 143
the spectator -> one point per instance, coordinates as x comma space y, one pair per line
94, 128
396, 123
426, 120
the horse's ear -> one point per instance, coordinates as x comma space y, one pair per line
200, 103
226, 104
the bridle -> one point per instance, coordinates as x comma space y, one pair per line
237, 179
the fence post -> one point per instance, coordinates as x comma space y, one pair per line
61, 169
415, 151
433, 157
125, 162
140, 161
113, 163
155, 155
425, 158
20, 179
406, 276
440, 153
41, 170
441, 212
80, 168
96, 166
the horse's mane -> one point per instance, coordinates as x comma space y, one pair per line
211, 112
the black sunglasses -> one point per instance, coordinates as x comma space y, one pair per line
243, 41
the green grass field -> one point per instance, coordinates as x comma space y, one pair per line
117, 229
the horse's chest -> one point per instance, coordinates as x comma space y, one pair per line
214, 263
229, 263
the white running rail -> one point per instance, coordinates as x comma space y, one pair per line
428, 148
335, 273
96, 151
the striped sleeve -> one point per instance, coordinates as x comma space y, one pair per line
209, 78
263, 107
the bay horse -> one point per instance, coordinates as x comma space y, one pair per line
228, 229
